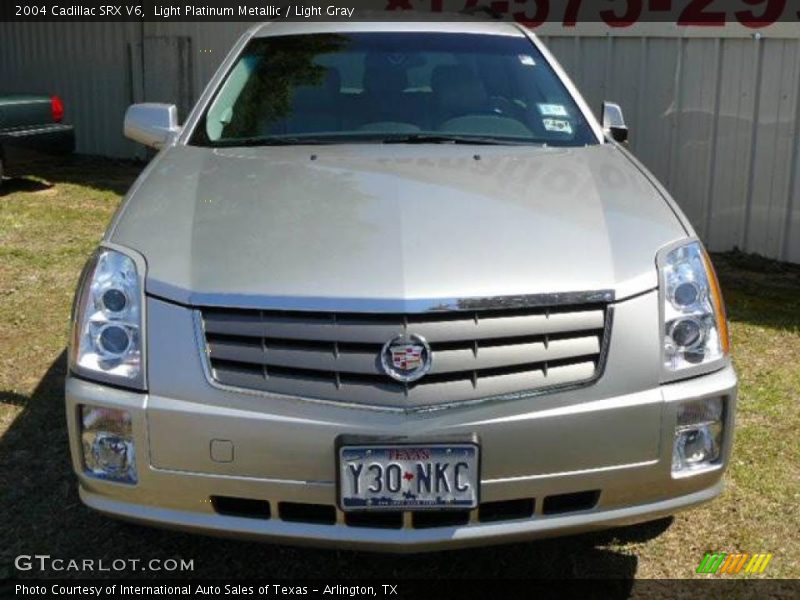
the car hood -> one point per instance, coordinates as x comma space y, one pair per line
387, 226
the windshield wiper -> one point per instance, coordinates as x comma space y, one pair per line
410, 138
429, 138
269, 140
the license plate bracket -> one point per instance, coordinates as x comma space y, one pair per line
408, 476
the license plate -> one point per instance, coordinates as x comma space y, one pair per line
406, 477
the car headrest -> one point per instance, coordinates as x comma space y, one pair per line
458, 89
307, 96
385, 79
333, 81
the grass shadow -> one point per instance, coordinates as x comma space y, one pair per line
38, 493
13, 399
760, 291
24, 185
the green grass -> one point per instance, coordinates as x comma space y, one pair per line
759, 509
47, 230
48, 227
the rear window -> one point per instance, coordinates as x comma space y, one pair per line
363, 86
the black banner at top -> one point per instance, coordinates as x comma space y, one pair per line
755, 14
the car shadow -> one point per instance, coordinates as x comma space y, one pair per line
91, 171
38, 495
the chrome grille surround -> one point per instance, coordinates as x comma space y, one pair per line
486, 349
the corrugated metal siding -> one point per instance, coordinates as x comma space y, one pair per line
715, 119
211, 43
713, 114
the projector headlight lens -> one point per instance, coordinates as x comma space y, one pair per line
686, 294
114, 300
113, 341
686, 333
107, 337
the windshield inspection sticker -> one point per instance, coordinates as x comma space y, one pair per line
552, 110
557, 125
527, 60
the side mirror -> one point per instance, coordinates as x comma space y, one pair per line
614, 123
151, 124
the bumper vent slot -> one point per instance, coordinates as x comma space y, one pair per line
507, 510
376, 520
320, 514
445, 518
567, 503
475, 353
241, 507
324, 514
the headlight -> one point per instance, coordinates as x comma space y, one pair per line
694, 327
107, 341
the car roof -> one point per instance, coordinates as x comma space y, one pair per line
477, 26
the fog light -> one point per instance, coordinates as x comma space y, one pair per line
698, 435
109, 451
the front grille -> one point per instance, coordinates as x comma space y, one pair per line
336, 356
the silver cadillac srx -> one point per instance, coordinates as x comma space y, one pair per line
392, 286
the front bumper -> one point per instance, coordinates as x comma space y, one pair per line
394, 540
613, 438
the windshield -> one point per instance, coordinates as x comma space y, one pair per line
392, 87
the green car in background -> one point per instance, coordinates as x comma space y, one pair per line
30, 126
